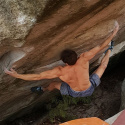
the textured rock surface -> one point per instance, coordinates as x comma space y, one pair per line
17, 17
123, 96
79, 25
113, 118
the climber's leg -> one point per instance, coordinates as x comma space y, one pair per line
103, 64
40, 90
53, 85
95, 77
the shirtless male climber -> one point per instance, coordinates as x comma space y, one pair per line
76, 81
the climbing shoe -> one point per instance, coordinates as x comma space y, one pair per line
37, 89
110, 47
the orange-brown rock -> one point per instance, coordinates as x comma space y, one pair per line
86, 121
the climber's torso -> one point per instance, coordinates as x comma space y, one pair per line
77, 76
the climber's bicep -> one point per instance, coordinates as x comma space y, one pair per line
56, 72
91, 53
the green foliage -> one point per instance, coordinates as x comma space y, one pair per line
58, 107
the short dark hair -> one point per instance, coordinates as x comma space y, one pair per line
69, 56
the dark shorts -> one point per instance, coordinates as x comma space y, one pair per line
65, 89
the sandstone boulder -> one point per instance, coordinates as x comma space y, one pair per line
33, 34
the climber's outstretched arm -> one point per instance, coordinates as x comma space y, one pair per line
56, 72
90, 54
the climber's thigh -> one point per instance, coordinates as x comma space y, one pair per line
100, 70
56, 85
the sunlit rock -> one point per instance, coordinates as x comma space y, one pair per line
18, 17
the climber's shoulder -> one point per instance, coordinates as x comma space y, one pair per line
82, 58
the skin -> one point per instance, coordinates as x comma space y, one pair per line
76, 76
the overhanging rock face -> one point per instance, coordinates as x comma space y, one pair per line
33, 33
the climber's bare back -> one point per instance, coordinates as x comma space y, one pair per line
77, 76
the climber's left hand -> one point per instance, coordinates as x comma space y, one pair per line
12, 72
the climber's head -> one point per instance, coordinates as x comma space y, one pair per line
69, 56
